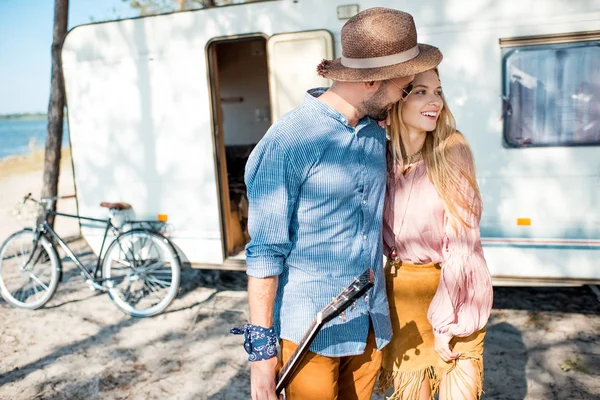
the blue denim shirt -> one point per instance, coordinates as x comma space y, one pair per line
315, 189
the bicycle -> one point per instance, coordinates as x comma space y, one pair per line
140, 269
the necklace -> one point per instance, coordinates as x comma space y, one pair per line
410, 160
412, 182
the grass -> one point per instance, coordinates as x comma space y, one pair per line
575, 364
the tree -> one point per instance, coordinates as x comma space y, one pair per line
152, 7
56, 104
191, 4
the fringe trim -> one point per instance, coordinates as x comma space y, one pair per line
457, 380
407, 385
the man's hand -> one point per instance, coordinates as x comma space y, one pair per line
387, 122
443, 348
262, 379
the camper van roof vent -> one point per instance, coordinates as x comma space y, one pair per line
347, 11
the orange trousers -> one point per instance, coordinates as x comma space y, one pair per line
331, 378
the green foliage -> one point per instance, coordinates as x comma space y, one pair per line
153, 7
575, 364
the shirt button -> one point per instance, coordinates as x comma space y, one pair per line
364, 237
364, 202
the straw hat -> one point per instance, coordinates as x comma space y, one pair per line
378, 44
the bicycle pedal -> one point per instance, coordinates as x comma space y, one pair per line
94, 286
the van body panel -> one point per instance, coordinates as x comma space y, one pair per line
142, 123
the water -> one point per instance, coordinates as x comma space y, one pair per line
20, 137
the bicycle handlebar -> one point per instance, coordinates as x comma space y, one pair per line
47, 200
28, 197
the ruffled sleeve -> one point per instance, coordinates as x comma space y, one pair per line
463, 301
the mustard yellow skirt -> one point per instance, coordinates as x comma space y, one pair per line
411, 356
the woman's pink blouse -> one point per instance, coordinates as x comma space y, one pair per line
415, 221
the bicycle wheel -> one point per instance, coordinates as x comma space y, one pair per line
28, 281
141, 271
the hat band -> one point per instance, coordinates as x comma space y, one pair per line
384, 61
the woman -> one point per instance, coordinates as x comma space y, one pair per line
439, 287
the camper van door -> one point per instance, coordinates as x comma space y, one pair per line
293, 58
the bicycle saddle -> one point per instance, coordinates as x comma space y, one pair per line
115, 206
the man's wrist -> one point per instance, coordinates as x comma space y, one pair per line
259, 342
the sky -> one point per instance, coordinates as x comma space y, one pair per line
25, 40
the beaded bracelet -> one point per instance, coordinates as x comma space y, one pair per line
260, 343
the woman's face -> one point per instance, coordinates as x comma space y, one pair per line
422, 107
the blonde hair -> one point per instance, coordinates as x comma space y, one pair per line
448, 161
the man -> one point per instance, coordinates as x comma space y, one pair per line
315, 188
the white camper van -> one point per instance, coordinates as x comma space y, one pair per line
164, 111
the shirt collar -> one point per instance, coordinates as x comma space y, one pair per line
311, 100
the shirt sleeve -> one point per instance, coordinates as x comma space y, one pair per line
389, 239
463, 300
273, 185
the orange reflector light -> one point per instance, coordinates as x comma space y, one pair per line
163, 217
524, 221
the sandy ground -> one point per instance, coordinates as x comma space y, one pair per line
542, 343
21, 175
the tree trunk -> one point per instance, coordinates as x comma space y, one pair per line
56, 105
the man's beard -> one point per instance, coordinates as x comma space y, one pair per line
378, 114
373, 108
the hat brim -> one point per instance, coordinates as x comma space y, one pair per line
428, 58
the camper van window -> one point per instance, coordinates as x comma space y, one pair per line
552, 95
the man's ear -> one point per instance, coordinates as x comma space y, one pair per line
372, 86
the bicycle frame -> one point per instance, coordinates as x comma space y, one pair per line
44, 227
130, 266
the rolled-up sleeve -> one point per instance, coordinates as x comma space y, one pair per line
273, 185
